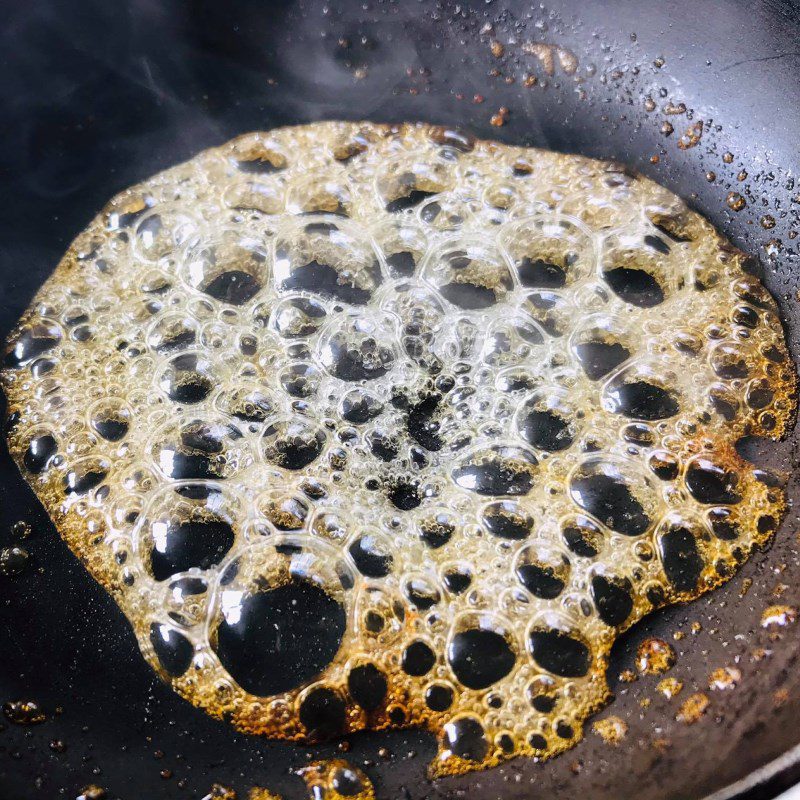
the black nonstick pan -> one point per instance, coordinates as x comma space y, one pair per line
97, 96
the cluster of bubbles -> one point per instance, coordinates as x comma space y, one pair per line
369, 426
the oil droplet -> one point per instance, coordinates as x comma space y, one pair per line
649, 104
727, 157
669, 687
654, 657
724, 678
693, 708
735, 201
711, 176
611, 730
23, 712
778, 617
667, 128
497, 49
13, 560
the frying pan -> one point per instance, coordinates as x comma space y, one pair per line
97, 96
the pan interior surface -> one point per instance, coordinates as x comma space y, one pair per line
371, 427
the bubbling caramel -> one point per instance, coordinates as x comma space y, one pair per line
369, 427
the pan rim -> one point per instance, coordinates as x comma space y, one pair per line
760, 776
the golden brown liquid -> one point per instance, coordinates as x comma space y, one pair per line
370, 427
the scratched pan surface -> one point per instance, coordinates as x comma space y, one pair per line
96, 96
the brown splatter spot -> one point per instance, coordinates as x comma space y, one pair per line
780, 698
691, 138
778, 616
92, 792
735, 201
654, 656
669, 687
260, 793
220, 792
611, 730
693, 708
724, 678
23, 712
662, 744
336, 778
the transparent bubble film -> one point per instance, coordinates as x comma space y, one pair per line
369, 427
